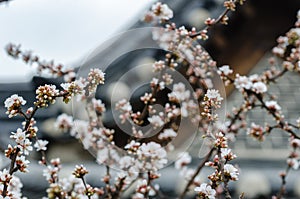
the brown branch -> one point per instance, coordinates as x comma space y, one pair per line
280, 74
201, 165
86, 188
217, 21
283, 183
14, 51
280, 122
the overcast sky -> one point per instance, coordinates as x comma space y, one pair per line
63, 30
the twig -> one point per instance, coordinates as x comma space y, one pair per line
218, 20
85, 186
283, 183
190, 182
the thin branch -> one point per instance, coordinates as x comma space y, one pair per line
86, 188
190, 182
283, 183
217, 21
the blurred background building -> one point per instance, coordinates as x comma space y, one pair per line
244, 44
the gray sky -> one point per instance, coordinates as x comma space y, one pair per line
63, 30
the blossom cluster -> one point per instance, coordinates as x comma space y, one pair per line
143, 155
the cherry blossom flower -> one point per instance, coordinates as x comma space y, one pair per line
125, 108
273, 105
213, 95
70, 76
259, 87
132, 146
5, 177
156, 121
29, 110
40, 145
179, 93
242, 82
278, 51
205, 191
221, 140
98, 106
230, 5
167, 134
107, 155
256, 131
158, 66
231, 172
14, 187
295, 143
13, 105
227, 154
294, 163
161, 11
46, 94
80, 171
64, 122
142, 186
95, 77
19, 136
184, 159
167, 78
22, 163
51, 173
74, 88
155, 152
25, 146
225, 70
126, 162
156, 82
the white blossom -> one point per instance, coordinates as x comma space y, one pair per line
227, 154
123, 105
15, 185
278, 51
294, 163
213, 94
184, 159
22, 163
64, 122
13, 104
179, 93
205, 191
162, 11
231, 172
155, 152
26, 146
98, 105
242, 82
225, 70
19, 136
40, 145
273, 105
158, 66
46, 94
95, 77
166, 134
259, 87
69, 76
126, 161
75, 87
156, 121
5, 176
